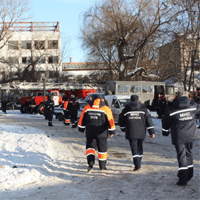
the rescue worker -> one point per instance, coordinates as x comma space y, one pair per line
49, 110
4, 105
134, 120
180, 118
178, 94
162, 105
197, 100
97, 121
45, 109
66, 113
73, 108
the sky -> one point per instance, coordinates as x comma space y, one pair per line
68, 13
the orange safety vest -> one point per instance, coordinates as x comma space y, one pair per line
65, 105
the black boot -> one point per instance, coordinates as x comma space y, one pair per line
50, 124
183, 177
190, 173
73, 126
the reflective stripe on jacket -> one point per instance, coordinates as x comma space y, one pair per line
180, 118
97, 120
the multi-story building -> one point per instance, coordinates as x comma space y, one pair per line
34, 44
182, 53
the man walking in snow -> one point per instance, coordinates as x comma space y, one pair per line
3, 105
97, 121
134, 120
180, 118
197, 100
66, 112
49, 110
73, 108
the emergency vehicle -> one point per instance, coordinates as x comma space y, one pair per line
146, 90
35, 102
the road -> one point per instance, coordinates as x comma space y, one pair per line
64, 176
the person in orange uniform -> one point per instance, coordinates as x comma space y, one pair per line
97, 121
66, 113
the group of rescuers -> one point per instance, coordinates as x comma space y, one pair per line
70, 108
97, 122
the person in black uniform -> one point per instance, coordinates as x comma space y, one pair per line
180, 118
4, 105
197, 100
66, 112
73, 108
97, 121
162, 105
134, 120
49, 110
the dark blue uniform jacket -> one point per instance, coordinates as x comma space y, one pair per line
180, 118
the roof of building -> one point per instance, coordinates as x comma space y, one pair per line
30, 26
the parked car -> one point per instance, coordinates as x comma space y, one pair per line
59, 113
117, 103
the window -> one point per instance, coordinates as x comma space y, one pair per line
39, 94
126, 88
40, 60
123, 88
26, 60
39, 45
120, 88
53, 59
150, 90
170, 90
115, 104
13, 60
53, 44
13, 45
144, 89
135, 89
26, 44
123, 102
54, 93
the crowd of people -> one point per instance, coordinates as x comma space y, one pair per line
179, 118
96, 121
70, 108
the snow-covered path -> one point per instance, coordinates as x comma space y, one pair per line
41, 162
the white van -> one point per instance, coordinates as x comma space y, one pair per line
117, 103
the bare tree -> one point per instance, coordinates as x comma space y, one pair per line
182, 52
124, 28
12, 11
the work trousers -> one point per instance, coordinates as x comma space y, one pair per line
101, 145
74, 119
137, 151
49, 116
185, 161
66, 117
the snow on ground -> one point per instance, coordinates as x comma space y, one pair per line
39, 162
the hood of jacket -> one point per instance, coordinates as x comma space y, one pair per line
134, 105
97, 103
182, 102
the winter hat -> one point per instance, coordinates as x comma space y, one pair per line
134, 98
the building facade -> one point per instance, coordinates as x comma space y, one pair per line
182, 53
34, 44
